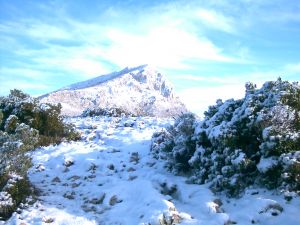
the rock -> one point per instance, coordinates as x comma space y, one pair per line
56, 180
128, 124
170, 219
114, 200
132, 178
134, 158
274, 209
218, 205
68, 162
230, 222
99, 200
69, 195
168, 190
40, 168
47, 219
130, 169
114, 150
87, 208
73, 178
111, 167
176, 219
74, 185
92, 168
150, 164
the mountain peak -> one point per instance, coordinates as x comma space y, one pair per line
102, 78
140, 90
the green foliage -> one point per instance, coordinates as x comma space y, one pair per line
16, 188
293, 178
112, 112
11, 124
176, 143
43, 117
1, 116
13, 148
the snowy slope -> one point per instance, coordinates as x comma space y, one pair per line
139, 91
109, 177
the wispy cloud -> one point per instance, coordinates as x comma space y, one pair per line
165, 40
21, 85
162, 46
294, 68
215, 20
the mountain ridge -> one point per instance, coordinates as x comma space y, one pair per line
140, 90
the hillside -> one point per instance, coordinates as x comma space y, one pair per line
138, 91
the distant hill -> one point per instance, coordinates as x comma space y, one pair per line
140, 91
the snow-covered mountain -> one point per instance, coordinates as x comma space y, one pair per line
140, 91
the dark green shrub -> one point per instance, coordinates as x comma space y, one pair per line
176, 143
241, 142
43, 117
112, 112
14, 190
25, 124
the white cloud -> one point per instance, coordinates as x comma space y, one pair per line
215, 20
47, 31
211, 79
198, 99
163, 46
20, 72
295, 68
87, 67
164, 39
21, 85
36, 30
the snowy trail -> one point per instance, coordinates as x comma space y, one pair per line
109, 177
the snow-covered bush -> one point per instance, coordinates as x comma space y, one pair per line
14, 163
21, 108
24, 125
13, 149
13, 191
176, 144
254, 140
112, 112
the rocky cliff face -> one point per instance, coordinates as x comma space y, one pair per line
140, 91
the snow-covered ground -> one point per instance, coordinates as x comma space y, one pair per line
109, 177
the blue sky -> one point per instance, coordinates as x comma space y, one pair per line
207, 49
